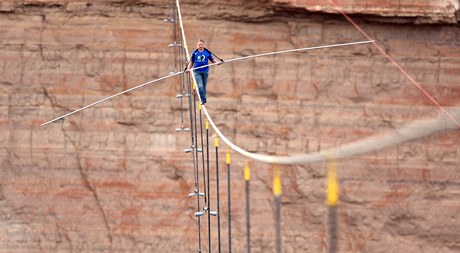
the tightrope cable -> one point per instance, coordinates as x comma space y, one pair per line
411, 131
176, 67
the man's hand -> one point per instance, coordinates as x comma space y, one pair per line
187, 70
220, 63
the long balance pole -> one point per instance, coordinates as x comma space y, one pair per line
181, 72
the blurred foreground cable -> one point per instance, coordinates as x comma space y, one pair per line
248, 208
277, 194
332, 203
218, 194
229, 205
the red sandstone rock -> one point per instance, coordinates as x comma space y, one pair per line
115, 178
424, 11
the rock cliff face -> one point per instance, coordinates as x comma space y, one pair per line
114, 178
421, 11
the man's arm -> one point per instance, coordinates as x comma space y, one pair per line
214, 61
189, 66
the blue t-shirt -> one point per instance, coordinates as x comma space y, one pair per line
201, 59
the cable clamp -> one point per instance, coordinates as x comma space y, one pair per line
182, 128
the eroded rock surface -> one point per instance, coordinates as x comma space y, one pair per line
114, 178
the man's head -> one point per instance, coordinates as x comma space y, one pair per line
200, 45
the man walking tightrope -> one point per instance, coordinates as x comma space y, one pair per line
199, 59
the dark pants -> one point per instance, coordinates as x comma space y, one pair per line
201, 81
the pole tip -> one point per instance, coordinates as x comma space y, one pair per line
332, 183
228, 157
247, 173
276, 181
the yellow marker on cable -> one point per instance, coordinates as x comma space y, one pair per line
216, 141
199, 106
207, 124
276, 181
194, 85
332, 183
247, 174
228, 157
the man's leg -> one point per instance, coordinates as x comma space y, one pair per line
199, 83
204, 75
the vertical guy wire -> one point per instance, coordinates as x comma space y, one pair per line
277, 194
218, 194
178, 55
178, 66
174, 16
192, 131
247, 176
195, 152
193, 134
192, 126
229, 204
206, 205
209, 182
177, 58
332, 203
187, 80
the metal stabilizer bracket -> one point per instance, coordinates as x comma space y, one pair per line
198, 214
182, 128
182, 95
188, 150
169, 19
213, 213
201, 194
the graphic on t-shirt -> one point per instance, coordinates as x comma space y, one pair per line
200, 58
200, 61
